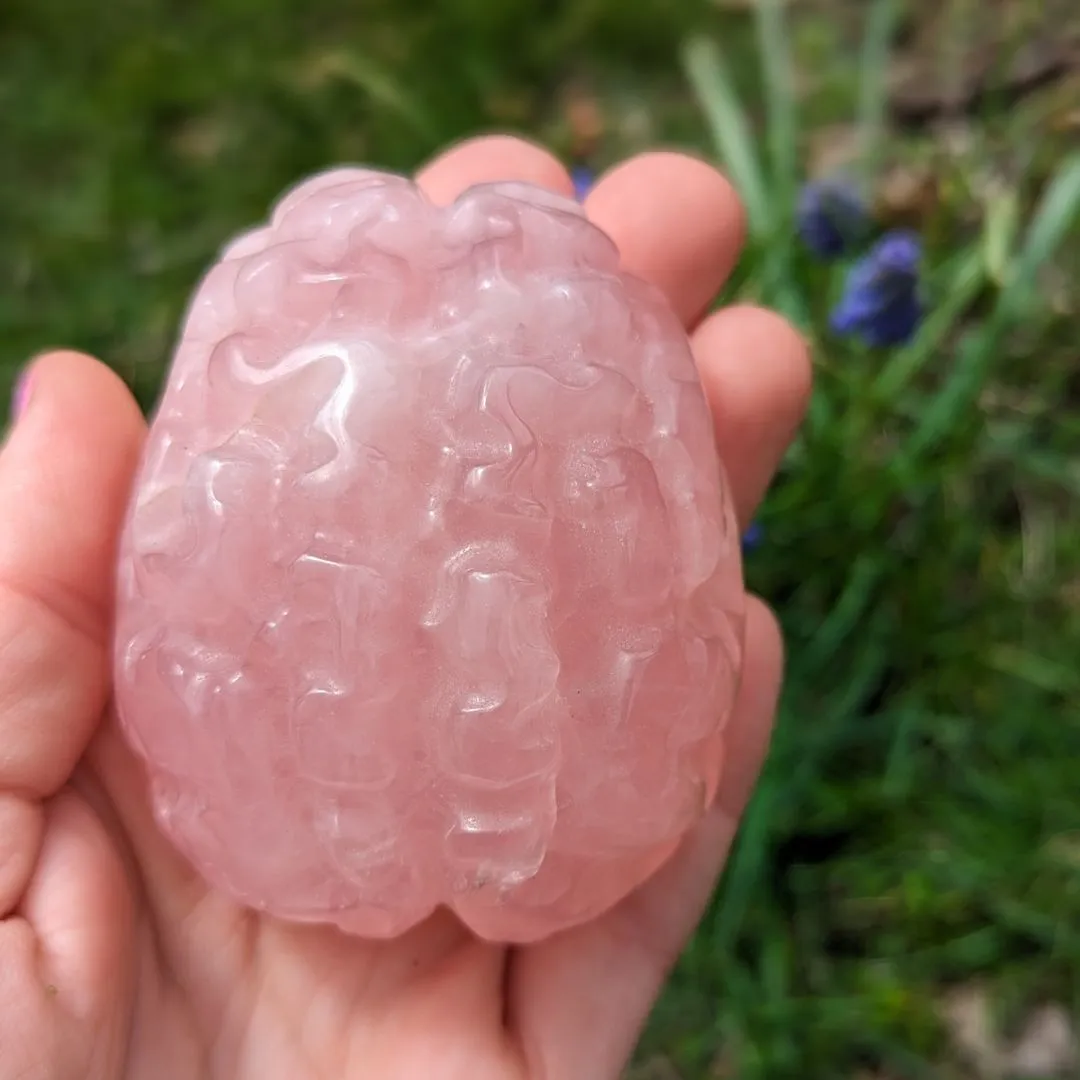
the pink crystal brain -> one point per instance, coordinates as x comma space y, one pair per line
430, 591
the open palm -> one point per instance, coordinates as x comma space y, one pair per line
117, 961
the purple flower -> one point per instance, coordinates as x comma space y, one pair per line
583, 179
881, 303
753, 537
831, 216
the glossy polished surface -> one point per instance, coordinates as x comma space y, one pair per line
430, 591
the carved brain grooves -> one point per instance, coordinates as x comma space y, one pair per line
430, 591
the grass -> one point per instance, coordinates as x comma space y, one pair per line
923, 769
917, 827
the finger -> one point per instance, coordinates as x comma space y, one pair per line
756, 371
580, 999
65, 473
80, 908
21, 826
677, 223
492, 158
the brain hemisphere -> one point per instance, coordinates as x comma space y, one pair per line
429, 592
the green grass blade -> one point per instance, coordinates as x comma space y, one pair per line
798, 754
873, 85
1046, 675
955, 397
711, 82
847, 615
779, 89
999, 234
900, 771
745, 865
371, 79
1056, 214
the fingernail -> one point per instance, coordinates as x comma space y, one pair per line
20, 397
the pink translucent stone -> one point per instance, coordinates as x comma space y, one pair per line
430, 591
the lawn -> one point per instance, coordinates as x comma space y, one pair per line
913, 854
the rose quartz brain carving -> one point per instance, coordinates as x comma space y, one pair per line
430, 591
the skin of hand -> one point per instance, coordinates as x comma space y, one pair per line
117, 962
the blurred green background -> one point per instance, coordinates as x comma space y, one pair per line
904, 900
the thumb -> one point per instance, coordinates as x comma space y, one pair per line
65, 472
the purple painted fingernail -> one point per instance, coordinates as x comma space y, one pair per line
20, 398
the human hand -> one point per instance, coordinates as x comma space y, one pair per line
117, 961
